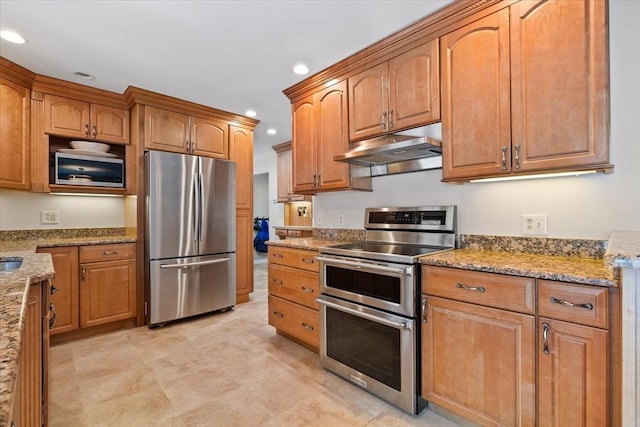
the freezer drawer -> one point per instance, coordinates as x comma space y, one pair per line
183, 287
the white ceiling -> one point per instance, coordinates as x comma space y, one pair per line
231, 55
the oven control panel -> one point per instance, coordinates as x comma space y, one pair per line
436, 218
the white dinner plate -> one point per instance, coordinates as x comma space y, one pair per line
86, 152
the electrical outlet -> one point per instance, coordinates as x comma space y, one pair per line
534, 224
49, 217
340, 219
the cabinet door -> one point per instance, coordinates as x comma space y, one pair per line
14, 133
107, 292
66, 117
368, 102
165, 130
244, 255
332, 127
209, 138
109, 124
476, 132
241, 152
284, 175
65, 299
414, 87
304, 146
559, 83
572, 375
479, 362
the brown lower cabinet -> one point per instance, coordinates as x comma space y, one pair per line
30, 404
293, 288
522, 366
94, 289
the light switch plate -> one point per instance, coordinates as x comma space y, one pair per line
534, 224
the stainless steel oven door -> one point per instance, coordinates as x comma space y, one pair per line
372, 349
385, 285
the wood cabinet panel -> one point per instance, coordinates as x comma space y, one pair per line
108, 252
15, 117
479, 362
241, 152
295, 320
165, 130
304, 145
107, 292
65, 299
66, 117
294, 284
586, 305
110, 124
559, 83
573, 376
296, 258
368, 102
209, 138
284, 161
493, 290
244, 255
476, 116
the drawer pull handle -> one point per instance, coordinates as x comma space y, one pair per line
277, 282
52, 320
424, 310
555, 300
309, 290
470, 288
86, 130
504, 158
278, 314
278, 255
307, 326
545, 338
308, 261
110, 252
83, 272
53, 289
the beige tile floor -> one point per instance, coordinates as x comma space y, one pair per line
228, 369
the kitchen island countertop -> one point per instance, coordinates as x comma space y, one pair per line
14, 288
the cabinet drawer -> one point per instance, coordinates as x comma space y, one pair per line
299, 286
490, 289
587, 305
97, 253
294, 233
281, 233
297, 258
295, 320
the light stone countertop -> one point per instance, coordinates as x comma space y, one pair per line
624, 249
309, 243
14, 288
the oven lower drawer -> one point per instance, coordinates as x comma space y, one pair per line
293, 319
373, 349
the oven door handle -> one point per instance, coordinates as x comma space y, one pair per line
373, 318
403, 270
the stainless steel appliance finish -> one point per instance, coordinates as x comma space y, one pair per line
369, 329
409, 150
190, 235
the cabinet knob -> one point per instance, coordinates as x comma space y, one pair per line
307, 326
278, 314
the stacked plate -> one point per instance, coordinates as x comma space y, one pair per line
88, 148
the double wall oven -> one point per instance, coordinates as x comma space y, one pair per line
370, 296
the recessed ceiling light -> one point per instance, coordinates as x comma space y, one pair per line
85, 76
12, 36
301, 69
271, 131
250, 113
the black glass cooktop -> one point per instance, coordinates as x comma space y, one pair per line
381, 250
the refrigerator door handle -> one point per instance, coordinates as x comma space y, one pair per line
196, 208
201, 199
195, 264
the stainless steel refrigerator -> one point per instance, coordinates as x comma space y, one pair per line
190, 236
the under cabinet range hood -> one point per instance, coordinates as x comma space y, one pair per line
408, 151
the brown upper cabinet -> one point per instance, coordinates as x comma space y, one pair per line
84, 120
525, 90
320, 132
181, 133
15, 118
285, 178
401, 93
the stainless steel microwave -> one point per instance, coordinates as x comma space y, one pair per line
94, 171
